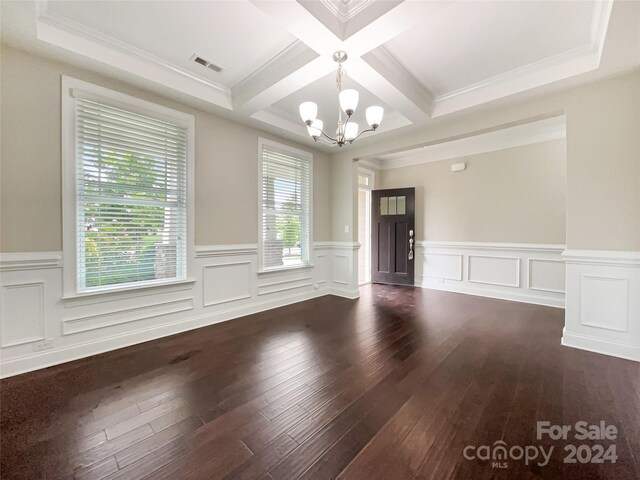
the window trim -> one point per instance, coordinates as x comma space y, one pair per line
72, 88
262, 142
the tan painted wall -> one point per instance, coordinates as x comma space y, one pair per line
603, 155
30, 169
511, 196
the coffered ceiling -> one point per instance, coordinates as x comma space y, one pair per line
421, 60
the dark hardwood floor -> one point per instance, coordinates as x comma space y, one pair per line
392, 386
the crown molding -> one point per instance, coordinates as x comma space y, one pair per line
72, 36
346, 10
551, 69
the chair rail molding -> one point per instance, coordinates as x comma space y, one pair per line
41, 328
603, 302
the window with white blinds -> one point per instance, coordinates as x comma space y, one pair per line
131, 210
285, 199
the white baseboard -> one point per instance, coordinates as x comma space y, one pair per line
500, 295
345, 293
598, 345
48, 358
40, 328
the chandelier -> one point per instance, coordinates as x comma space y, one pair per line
347, 130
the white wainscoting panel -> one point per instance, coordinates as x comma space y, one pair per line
521, 272
341, 269
546, 275
494, 270
447, 266
23, 311
225, 285
227, 282
603, 302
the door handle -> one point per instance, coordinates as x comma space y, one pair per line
410, 244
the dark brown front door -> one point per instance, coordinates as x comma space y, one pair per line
393, 228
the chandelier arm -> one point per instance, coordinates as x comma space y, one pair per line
363, 131
330, 138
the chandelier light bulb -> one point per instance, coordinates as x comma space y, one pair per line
374, 116
315, 129
348, 100
308, 112
350, 130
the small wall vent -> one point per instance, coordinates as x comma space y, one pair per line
206, 63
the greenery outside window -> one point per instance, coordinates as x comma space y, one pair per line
285, 206
130, 178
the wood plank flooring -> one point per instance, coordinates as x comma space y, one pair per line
391, 386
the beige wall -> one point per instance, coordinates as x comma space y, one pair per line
30, 169
512, 195
603, 155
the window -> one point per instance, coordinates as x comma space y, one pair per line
128, 170
285, 206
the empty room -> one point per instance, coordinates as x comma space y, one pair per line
319, 239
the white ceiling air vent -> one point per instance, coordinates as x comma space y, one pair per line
206, 63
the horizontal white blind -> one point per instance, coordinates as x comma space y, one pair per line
131, 198
285, 208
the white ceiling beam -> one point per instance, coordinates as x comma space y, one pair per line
298, 21
397, 88
386, 65
392, 94
292, 82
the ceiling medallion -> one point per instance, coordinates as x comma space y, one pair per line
347, 131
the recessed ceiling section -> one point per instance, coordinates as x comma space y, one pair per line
474, 52
346, 17
174, 31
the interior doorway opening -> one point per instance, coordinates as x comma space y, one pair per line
365, 185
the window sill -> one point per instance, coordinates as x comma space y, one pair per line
285, 269
136, 288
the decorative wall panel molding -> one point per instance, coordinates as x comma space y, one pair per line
523, 272
22, 312
447, 266
546, 275
603, 302
494, 270
226, 282
225, 285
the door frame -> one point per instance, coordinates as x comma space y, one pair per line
367, 249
